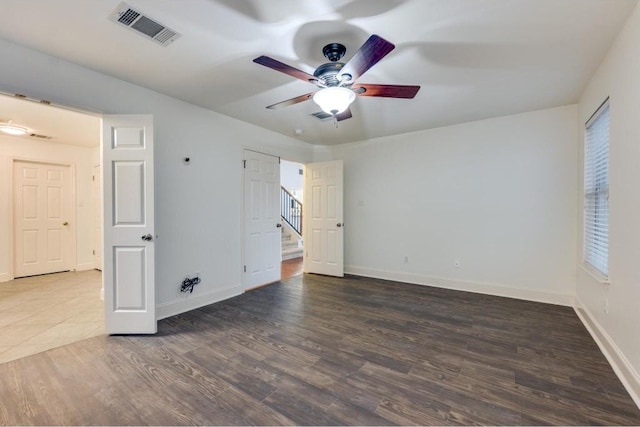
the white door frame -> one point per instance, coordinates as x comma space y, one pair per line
97, 245
72, 214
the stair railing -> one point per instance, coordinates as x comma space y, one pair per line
291, 210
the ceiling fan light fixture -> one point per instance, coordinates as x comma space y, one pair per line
11, 129
334, 100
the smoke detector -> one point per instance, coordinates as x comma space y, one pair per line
136, 21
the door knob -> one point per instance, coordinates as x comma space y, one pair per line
147, 237
340, 224
278, 225
65, 223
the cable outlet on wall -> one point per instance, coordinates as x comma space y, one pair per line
456, 263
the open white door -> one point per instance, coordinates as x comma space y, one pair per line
323, 219
262, 227
128, 255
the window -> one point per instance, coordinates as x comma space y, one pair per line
596, 191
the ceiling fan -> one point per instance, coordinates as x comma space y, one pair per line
336, 80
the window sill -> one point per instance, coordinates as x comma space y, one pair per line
595, 274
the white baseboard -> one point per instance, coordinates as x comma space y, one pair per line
5, 277
86, 266
500, 290
620, 364
192, 302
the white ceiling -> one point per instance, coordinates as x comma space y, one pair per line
61, 125
473, 58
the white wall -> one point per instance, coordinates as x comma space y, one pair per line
613, 311
496, 194
198, 206
81, 163
290, 177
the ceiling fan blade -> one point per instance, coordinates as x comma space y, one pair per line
387, 91
346, 114
284, 68
372, 51
291, 101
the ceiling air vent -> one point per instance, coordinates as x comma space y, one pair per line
322, 115
35, 135
141, 24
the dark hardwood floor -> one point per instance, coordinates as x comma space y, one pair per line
317, 350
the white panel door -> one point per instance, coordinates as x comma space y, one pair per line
128, 255
43, 236
262, 243
96, 211
323, 218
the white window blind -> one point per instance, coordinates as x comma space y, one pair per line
596, 191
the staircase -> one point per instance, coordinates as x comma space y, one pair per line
291, 213
291, 243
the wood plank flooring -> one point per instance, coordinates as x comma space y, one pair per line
290, 268
314, 350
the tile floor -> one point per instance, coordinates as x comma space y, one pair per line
43, 312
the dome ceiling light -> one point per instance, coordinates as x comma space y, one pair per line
11, 129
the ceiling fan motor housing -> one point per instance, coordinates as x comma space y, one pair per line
334, 51
327, 73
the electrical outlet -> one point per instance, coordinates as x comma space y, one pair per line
456, 263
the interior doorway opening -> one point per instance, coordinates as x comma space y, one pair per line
273, 215
291, 210
49, 283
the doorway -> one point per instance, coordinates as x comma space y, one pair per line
273, 194
323, 220
48, 223
291, 210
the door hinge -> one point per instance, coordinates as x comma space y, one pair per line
244, 164
93, 177
278, 160
245, 268
94, 251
